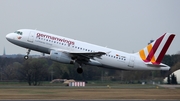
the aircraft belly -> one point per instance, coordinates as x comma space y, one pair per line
140, 65
30, 46
113, 63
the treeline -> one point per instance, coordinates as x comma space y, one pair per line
36, 70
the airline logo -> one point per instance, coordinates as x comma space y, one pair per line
155, 51
69, 42
19, 37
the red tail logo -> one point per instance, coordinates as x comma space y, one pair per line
155, 51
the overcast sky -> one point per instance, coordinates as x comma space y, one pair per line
125, 25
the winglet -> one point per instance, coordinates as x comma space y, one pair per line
156, 50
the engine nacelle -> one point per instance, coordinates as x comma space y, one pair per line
60, 57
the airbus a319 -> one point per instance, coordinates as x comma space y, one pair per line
70, 51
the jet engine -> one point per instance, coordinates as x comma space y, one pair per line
61, 57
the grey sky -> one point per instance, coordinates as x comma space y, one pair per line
125, 25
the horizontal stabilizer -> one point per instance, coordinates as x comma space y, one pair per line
156, 65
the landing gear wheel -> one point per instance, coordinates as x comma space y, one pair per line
26, 57
79, 70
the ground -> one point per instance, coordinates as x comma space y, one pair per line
90, 92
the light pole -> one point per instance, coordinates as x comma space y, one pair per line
52, 75
102, 76
1, 73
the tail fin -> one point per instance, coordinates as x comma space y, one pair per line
156, 50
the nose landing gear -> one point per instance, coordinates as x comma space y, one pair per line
27, 56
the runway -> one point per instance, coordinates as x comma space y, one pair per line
42, 93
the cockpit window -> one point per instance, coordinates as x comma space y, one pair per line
18, 32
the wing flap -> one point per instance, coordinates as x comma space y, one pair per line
89, 55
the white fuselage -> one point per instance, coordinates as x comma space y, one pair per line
45, 42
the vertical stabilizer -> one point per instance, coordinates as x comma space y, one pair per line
156, 50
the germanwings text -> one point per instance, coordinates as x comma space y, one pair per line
55, 38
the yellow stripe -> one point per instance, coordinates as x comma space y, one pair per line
153, 59
142, 54
149, 47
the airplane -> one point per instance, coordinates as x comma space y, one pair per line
71, 51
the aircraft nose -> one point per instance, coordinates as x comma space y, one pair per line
9, 36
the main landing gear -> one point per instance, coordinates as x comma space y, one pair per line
79, 65
27, 56
79, 70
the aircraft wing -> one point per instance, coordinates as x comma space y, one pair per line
82, 56
89, 55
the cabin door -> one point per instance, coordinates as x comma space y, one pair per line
31, 36
131, 61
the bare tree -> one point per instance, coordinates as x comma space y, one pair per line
34, 71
